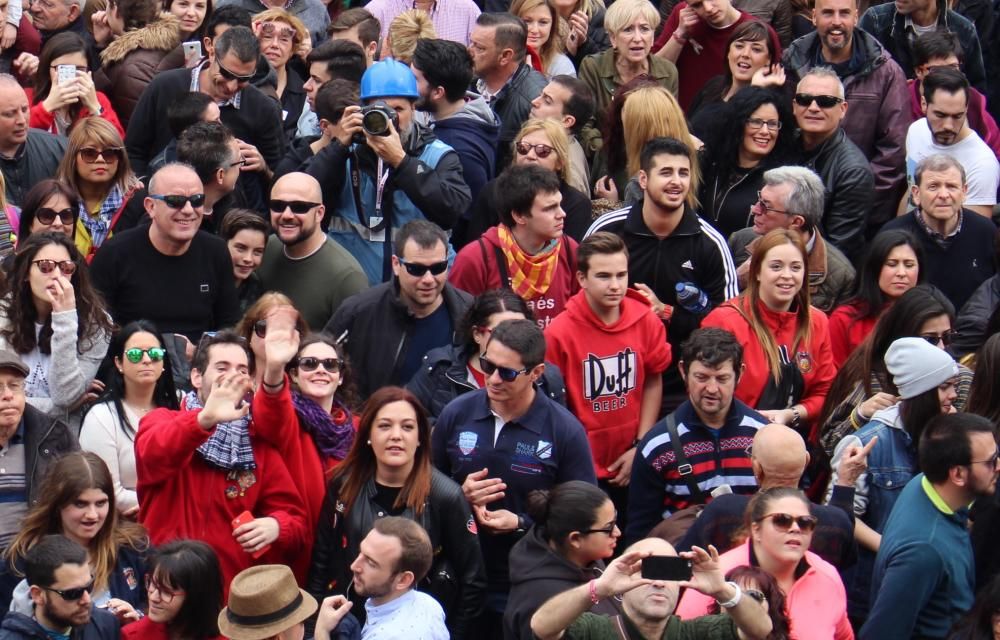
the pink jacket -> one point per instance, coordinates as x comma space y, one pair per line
816, 605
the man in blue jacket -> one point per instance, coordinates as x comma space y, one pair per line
924, 576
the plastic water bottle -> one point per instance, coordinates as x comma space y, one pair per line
691, 298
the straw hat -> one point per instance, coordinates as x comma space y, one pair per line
264, 601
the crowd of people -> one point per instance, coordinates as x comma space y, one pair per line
499, 319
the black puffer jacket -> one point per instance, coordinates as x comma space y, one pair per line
442, 377
448, 521
536, 574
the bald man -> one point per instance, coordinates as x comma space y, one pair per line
649, 605
169, 272
300, 261
779, 458
27, 155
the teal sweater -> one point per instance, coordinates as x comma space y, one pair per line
924, 577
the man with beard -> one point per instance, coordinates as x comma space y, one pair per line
946, 130
394, 557
300, 260
391, 326
924, 578
398, 172
60, 581
713, 428
876, 91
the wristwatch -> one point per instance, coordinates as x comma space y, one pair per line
729, 604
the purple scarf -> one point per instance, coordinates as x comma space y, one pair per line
333, 433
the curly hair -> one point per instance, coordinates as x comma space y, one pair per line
724, 143
19, 306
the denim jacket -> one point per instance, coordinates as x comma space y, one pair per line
889, 26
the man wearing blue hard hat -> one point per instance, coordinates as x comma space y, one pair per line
385, 170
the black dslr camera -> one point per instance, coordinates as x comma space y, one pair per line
375, 119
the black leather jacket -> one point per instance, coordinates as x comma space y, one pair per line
448, 521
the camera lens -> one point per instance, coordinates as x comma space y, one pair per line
375, 123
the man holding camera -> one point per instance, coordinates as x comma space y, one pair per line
385, 170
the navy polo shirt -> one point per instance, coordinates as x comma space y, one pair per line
544, 447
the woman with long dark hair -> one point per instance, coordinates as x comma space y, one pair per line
77, 500
389, 472
193, 14
57, 106
575, 530
786, 346
924, 378
184, 590
55, 320
891, 267
139, 382
863, 385
448, 372
753, 134
50, 206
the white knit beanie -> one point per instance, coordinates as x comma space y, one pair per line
917, 366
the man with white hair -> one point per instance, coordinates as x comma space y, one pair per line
824, 147
648, 605
793, 198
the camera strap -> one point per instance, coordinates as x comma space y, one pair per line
374, 224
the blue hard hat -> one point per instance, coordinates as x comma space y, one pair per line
389, 79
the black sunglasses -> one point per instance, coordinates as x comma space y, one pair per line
111, 154
229, 75
945, 338
541, 150
47, 216
506, 373
135, 354
756, 595
783, 522
824, 102
66, 267
309, 363
298, 207
178, 201
418, 270
260, 328
72, 595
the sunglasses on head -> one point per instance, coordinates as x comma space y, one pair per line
229, 75
111, 154
541, 150
310, 363
47, 216
178, 201
783, 522
824, 102
66, 267
72, 595
298, 207
945, 338
418, 270
506, 373
135, 354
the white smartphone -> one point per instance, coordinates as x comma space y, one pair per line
192, 52
65, 73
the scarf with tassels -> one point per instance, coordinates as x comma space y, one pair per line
530, 275
332, 432
229, 446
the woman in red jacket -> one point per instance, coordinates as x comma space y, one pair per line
786, 342
891, 268
57, 105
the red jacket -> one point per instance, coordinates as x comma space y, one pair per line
815, 360
146, 629
475, 271
846, 332
276, 423
181, 496
41, 118
605, 367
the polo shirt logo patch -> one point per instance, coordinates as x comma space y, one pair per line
544, 450
467, 442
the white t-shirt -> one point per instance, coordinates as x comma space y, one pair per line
982, 170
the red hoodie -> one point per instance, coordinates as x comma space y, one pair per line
847, 332
182, 496
605, 368
475, 271
815, 360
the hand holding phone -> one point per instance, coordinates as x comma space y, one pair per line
65, 73
666, 568
192, 53
245, 534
